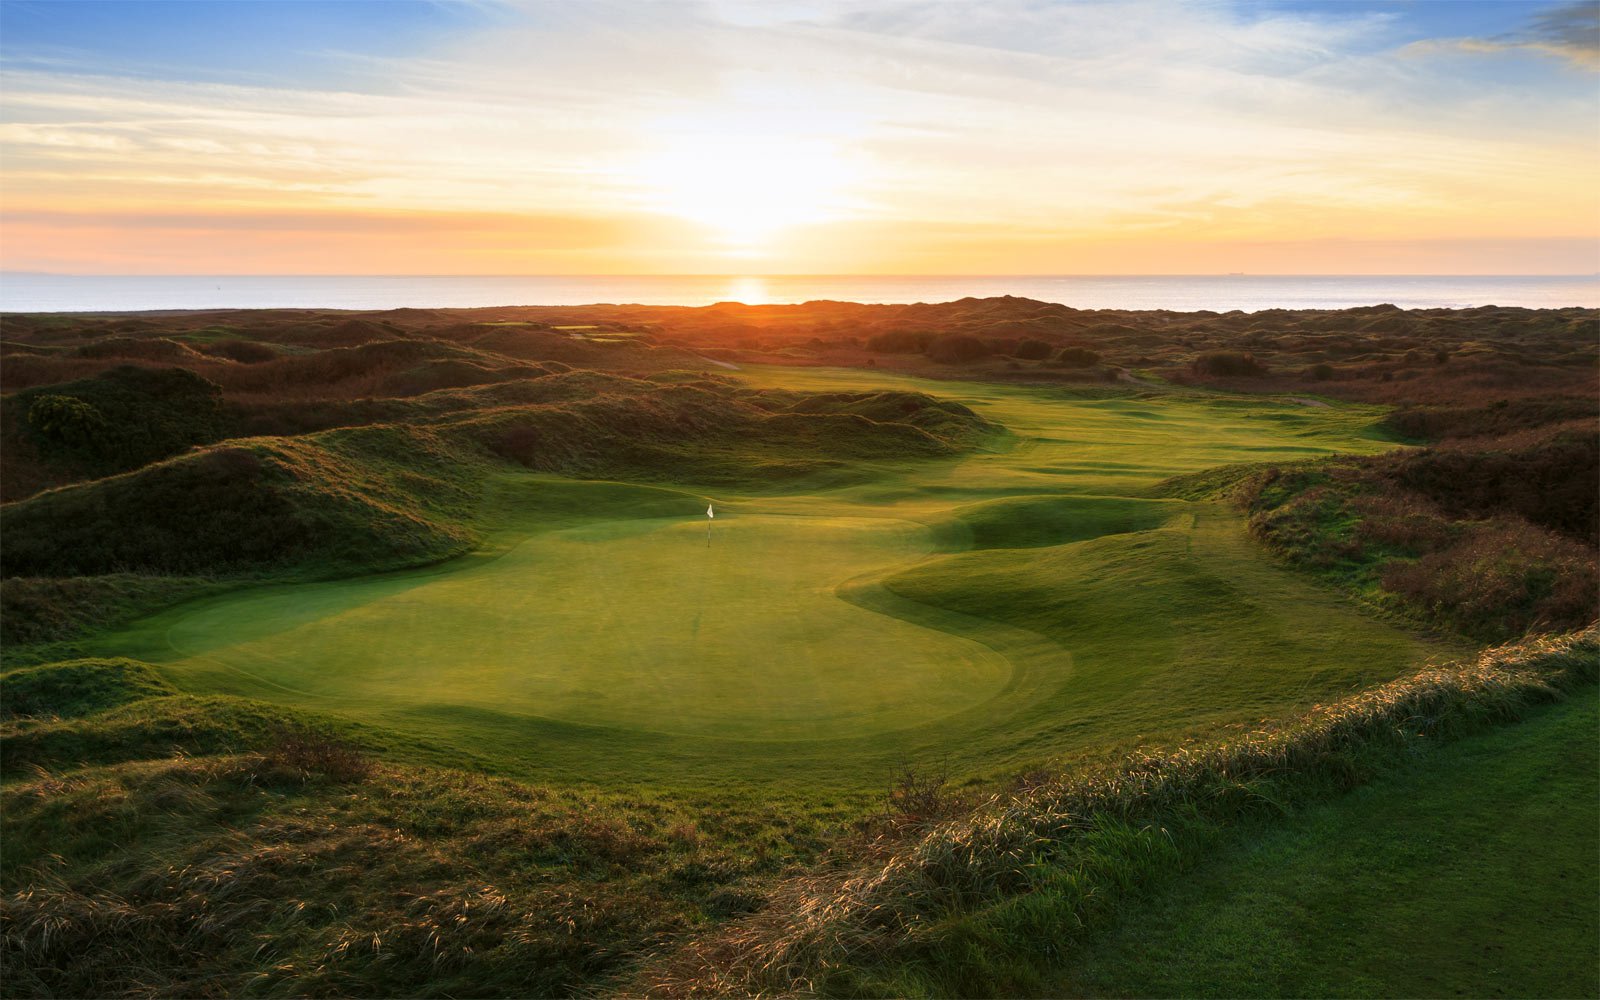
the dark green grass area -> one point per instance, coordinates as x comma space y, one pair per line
1468, 871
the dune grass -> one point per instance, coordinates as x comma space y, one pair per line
1022, 602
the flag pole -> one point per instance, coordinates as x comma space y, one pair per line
710, 516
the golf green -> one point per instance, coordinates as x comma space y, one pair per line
1022, 602
656, 625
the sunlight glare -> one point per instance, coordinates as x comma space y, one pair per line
749, 290
747, 189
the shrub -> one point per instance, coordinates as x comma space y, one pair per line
1032, 350
67, 421
1551, 483
1502, 579
918, 797
1320, 373
125, 417
956, 348
1227, 363
1077, 357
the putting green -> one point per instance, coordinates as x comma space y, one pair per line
1026, 601
633, 624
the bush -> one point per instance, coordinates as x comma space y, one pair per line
1077, 357
1032, 350
956, 349
1551, 483
124, 418
1503, 579
1320, 373
1227, 363
67, 421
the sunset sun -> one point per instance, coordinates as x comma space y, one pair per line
746, 191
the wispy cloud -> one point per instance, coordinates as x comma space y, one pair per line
1570, 33
921, 136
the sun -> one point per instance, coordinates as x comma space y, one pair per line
747, 190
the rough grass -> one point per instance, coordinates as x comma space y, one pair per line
133, 416
962, 908
35, 611
361, 500
389, 495
168, 845
78, 687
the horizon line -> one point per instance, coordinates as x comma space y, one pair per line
799, 274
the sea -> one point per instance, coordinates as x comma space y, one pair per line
32, 292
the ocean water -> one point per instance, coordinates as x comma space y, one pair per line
22, 292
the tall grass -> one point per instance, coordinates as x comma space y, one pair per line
975, 905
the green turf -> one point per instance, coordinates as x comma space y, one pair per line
1469, 873
1029, 600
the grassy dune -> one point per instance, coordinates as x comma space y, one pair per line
1025, 601
418, 676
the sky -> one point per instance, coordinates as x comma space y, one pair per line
800, 137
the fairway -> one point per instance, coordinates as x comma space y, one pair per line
1027, 601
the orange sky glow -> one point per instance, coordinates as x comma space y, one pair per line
1003, 138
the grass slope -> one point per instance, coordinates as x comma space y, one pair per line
1013, 603
1426, 883
168, 845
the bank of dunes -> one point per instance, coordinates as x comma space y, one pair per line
392, 655
400, 492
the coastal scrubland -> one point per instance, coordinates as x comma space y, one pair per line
394, 653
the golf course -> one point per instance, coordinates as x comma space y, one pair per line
815, 650
1033, 598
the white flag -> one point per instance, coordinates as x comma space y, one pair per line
708, 511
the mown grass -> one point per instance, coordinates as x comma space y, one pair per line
1467, 870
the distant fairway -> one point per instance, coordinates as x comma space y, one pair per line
1020, 603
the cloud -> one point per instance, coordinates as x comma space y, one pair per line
1571, 33
1027, 122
